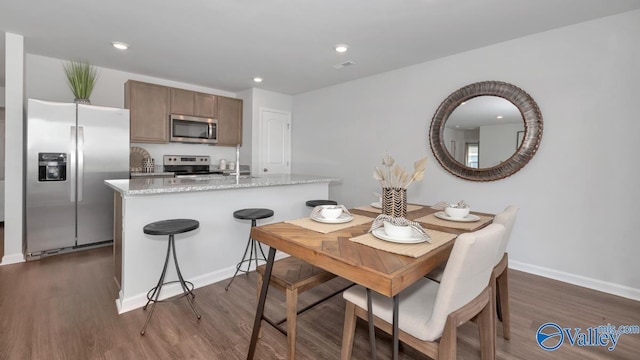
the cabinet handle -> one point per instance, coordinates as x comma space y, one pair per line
265, 170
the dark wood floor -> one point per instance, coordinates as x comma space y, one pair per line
62, 307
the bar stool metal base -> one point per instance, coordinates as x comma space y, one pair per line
252, 247
154, 294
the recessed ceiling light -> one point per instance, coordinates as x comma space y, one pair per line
341, 48
499, 117
120, 45
257, 79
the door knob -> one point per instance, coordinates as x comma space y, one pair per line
265, 170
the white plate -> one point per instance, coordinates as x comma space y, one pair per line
376, 205
343, 218
415, 238
469, 218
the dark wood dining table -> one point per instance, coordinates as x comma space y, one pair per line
376, 270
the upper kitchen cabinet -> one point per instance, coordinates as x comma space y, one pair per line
181, 102
204, 105
229, 121
185, 102
149, 107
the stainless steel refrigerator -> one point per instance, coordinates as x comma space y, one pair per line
71, 149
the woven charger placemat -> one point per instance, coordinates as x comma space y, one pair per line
438, 238
370, 208
433, 220
324, 228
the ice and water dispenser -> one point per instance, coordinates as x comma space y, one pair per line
52, 166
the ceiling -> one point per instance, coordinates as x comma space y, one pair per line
223, 44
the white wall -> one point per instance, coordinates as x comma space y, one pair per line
455, 142
14, 100
497, 143
585, 79
2, 170
2, 124
45, 79
1, 202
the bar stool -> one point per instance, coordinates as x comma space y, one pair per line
252, 245
169, 227
314, 203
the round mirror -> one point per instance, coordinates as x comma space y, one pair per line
486, 131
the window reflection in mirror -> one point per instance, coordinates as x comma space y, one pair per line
471, 155
482, 132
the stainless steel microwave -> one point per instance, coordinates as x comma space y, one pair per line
192, 129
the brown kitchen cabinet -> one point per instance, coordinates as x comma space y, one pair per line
229, 121
151, 104
192, 103
204, 105
181, 101
149, 107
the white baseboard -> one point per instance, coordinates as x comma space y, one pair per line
594, 284
12, 259
139, 300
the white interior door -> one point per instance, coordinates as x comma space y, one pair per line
275, 144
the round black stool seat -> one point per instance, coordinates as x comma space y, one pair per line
314, 203
252, 214
170, 227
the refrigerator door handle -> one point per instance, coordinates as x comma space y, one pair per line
72, 162
80, 161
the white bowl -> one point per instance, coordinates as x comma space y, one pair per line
457, 213
397, 231
331, 212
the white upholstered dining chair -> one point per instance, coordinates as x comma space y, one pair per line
431, 311
500, 292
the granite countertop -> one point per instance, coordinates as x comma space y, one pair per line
153, 186
151, 174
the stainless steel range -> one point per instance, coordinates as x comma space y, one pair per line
187, 164
197, 166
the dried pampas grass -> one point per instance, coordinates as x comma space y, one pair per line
394, 176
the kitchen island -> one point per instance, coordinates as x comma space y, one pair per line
210, 253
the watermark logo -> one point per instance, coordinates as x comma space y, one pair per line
551, 336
